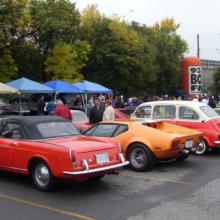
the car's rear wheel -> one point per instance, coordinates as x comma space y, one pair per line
140, 157
202, 148
42, 176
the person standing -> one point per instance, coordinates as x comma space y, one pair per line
109, 113
62, 110
96, 113
212, 102
40, 106
205, 99
51, 106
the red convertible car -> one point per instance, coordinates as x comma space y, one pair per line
49, 148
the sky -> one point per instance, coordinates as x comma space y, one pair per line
194, 16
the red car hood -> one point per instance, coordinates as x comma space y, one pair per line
82, 143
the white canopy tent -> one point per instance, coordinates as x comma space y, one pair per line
5, 89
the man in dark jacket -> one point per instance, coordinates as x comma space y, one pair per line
96, 112
40, 106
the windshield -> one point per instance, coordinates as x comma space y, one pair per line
209, 112
79, 116
56, 129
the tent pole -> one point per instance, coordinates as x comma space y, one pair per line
86, 104
19, 104
83, 102
55, 98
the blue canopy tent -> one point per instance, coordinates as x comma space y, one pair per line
25, 85
63, 87
28, 86
90, 87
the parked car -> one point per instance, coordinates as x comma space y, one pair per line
145, 141
49, 148
127, 110
81, 121
5, 108
195, 115
217, 110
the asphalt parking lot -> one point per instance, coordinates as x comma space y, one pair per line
187, 190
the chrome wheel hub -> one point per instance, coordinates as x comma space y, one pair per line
201, 148
138, 157
42, 174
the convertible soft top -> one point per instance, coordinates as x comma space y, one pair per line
29, 123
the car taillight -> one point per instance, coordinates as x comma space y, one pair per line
121, 149
176, 144
72, 156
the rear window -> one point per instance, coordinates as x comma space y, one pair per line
104, 130
56, 129
79, 116
209, 112
187, 113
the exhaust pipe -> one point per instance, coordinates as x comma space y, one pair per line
185, 151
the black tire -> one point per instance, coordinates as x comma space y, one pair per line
140, 157
202, 148
96, 178
182, 157
42, 176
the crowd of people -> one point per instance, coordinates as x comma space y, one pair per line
53, 107
102, 107
210, 100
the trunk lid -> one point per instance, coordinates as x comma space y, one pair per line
81, 144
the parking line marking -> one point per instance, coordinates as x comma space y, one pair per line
155, 178
38, 205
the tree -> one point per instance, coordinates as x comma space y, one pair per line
170, 48
215, 88
52, 21
14, 20
66, 61
118, 58
7, 66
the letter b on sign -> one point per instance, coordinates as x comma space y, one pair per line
195, 79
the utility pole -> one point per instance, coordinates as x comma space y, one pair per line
198, 48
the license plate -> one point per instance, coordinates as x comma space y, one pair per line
189, 144
102, 158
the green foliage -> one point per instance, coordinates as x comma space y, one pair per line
49, 39
7, 66
215, 88
53, 21
29, 61
14, 20
66, 61
170, 48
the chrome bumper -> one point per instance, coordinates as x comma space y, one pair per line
112, 167
217, 142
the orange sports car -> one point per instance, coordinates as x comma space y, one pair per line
145, 141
